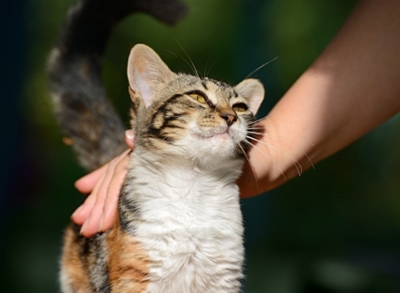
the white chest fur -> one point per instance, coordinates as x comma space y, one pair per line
190, 224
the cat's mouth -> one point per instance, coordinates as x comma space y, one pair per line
222, 134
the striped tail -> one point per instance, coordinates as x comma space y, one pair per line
82, 109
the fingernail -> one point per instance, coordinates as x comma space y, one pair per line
84, 226
129, 134
77, 211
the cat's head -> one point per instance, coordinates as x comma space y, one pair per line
195, 118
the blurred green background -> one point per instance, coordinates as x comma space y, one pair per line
334, 229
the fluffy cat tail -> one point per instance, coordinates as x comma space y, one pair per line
86, 116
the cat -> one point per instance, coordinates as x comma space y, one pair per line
179, 225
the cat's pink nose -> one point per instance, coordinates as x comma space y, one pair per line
229, 118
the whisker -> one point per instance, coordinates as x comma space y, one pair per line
190, 60
259, 67
279, 136
257, 129
250, 131
190, 64
255, 121
251, 166
255, 133
265, 154
256, 126
207, 71
297, 165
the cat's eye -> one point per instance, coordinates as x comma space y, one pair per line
240, 107
199, 98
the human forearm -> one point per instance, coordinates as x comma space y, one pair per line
349, 90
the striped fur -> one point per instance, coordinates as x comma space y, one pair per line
179, 226
82, 109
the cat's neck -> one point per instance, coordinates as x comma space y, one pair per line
169, 186
180, 172
191, 215
177, 179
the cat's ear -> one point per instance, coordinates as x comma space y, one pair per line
147, 73
253, 91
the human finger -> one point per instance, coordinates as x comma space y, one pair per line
86, 183
91, 225
113, 192
81, 214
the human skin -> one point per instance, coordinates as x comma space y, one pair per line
350, 89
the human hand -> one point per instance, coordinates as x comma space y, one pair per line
98, 212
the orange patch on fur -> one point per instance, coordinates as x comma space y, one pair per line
128, 263
74, 275
67, 141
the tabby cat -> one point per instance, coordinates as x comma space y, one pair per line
179, 225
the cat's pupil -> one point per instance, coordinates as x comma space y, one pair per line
198, 98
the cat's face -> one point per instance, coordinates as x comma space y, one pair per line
183, 115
